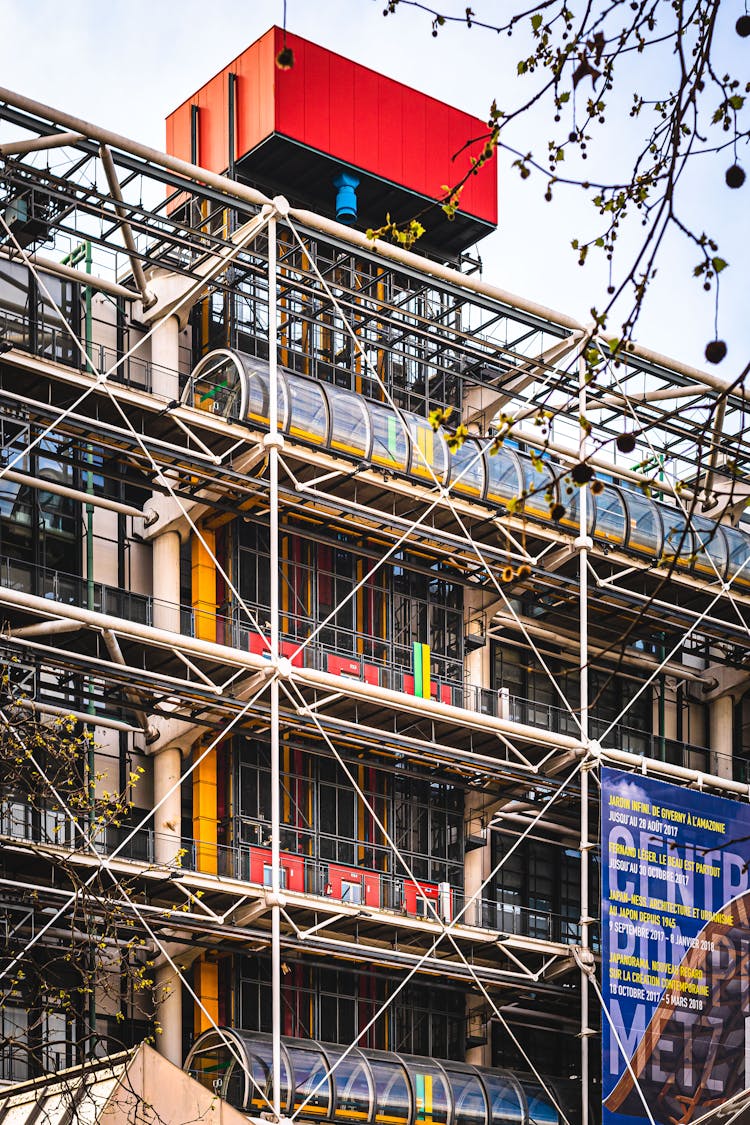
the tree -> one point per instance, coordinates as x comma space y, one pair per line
48, 794
652, 71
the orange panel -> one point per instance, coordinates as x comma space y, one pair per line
205, 814
206, 985
204, 585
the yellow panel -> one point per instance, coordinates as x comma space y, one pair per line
426, 683
204, 585
206, 984
205, 814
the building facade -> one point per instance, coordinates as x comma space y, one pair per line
352, 674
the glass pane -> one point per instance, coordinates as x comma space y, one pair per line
388, 437
467, 469
539, 487
259, 1056
505, 1100
739, 554
392, 1097
429, 452
258, 400
469, 1098
430, 1086
351, 1082
308, 417
678, 538
541, 1110
216, 386
710, 547
503, 475
311, 1085
611, 522
349, 431
645, 524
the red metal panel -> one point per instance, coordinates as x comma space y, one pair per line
429, 890
344, 110
293, 865
344, 666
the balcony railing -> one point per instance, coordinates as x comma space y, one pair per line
377, 890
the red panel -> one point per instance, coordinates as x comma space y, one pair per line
259, 645
372, 674
344, 666
368, 880
341, 109
293, 865
429, 890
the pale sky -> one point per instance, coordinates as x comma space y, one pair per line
127, 63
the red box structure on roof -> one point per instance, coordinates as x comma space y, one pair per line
293, 128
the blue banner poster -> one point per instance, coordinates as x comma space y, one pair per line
675, 942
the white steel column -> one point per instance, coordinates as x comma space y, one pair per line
583, 545
273, 500
721, 733
165, 359
167, 763
169, 1013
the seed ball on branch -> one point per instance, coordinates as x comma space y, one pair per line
735, 176
715, 351
742, 27
582, 473
626, 442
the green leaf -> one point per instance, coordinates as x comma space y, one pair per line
565, 97
536, 21
736, 101
521, 68
719, 264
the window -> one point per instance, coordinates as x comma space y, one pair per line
351, 892
268, 876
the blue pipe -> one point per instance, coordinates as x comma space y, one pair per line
346, 197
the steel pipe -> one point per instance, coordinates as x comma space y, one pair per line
47, 265
39, 144
147, 297
93, 498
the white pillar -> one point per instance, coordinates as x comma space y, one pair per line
477, 866
168, 815
168, 995
165, 359
721, 730
166, 581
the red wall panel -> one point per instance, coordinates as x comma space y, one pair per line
344, 110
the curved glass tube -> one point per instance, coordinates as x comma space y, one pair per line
312, 1082
389, 445
350, 428
371, 1087
539, 487
739, 554
570, 498
218, 384
429, 453
611, 521
308, 410
256, 410
644, 524
541, 1109
505, 1098
236, 386
469, 1097
432, 1099
468, 470
679, 542
392, 1089
711, 549
352, 1083
504, 480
